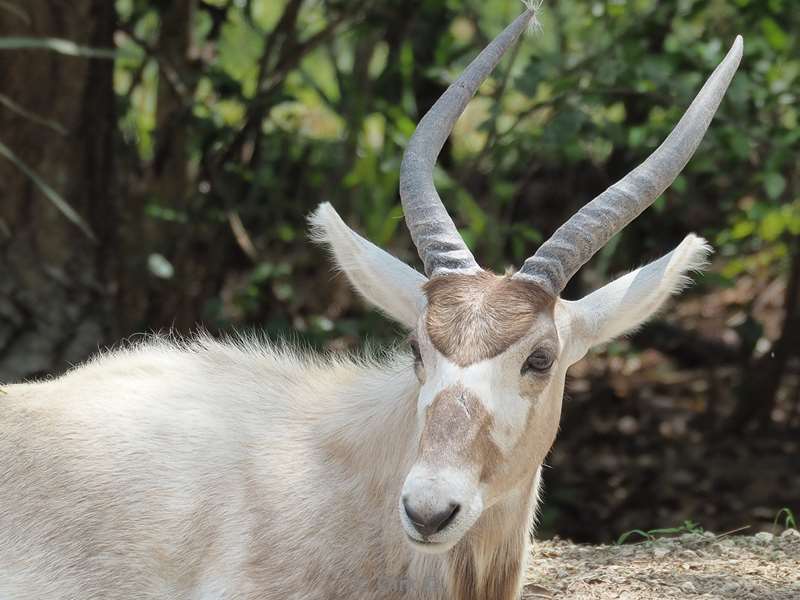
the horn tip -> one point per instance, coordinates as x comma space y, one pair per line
734, 56
738, 45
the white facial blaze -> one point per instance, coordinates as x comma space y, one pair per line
495, 381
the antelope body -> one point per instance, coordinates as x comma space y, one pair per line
244, 470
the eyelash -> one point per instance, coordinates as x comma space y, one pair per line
414, 345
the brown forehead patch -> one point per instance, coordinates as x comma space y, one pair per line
475, 317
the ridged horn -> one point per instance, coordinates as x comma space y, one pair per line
437, 240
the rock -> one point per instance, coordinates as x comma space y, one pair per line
729, 588
660, 552
763, 537
726, 543
687, 587
664, 541
790, 534
716, 548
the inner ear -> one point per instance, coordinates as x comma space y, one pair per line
381, 279
624, 304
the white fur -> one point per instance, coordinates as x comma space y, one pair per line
205, 469
185, 471
214, 470
384, 281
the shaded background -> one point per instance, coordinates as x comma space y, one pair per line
158, 160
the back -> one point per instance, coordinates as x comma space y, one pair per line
127, 477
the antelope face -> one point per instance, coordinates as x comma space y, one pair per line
487, 357
492, 352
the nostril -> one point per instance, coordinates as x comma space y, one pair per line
453, 513
416, 518
428, 523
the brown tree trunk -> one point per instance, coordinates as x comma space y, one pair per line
56, 284
763, 376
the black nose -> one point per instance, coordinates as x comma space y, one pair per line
430, 521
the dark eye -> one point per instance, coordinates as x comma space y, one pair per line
538, 362
414, 345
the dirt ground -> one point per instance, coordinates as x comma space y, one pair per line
760, 567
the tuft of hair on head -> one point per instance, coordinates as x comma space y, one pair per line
534, 6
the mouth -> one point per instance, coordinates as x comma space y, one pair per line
429, 547
425, 544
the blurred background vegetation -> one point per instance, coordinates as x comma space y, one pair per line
158, 160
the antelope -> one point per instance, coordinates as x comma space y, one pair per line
241, 469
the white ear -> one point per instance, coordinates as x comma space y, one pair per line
384, 281
627, 302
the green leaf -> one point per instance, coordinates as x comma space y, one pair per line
743, 229
774, 184
61, 46
772, 226
49, 192
623, 538
740, 145
680, 184
789, 520
775, 36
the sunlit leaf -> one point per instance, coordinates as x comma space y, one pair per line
66, 47
772, 226
743, 229
159, 266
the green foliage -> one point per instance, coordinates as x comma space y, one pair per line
789, 521
282, 104
67, 47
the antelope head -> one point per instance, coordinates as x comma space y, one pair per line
491, 351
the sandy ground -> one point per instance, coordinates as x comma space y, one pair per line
760, 567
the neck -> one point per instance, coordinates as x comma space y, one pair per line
490, 561
374, 433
